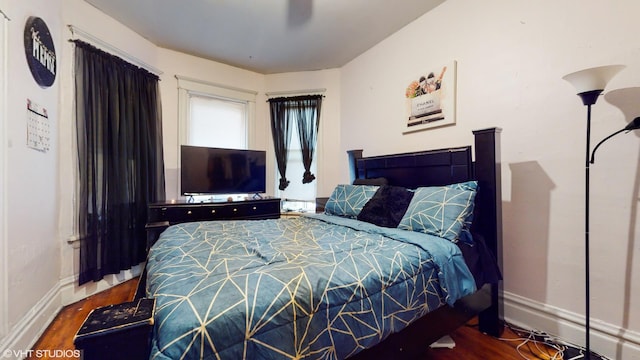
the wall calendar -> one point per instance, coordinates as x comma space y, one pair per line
38, 132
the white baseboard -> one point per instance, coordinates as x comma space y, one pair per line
608, 340
28, 330
71, 292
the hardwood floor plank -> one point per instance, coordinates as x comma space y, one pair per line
473, 345
59, 335
470, 343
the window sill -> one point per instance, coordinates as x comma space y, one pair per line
74, 241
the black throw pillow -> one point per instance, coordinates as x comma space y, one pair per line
387, 206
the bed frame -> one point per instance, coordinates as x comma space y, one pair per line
435, 168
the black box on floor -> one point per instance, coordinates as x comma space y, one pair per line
119, 331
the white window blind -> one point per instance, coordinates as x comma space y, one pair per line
217, 123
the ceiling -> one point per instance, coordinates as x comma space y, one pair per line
267, 36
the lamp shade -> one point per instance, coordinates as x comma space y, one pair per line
592, 79
627, 100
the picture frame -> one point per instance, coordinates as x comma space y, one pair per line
431, 99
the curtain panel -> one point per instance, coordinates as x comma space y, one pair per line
305, 111
120, 160
281, 133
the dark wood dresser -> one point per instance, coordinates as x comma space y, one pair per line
163, 214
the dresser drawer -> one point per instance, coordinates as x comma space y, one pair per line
215, 212
251, 210
178, 214
156, 214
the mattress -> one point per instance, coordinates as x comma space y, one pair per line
313, 287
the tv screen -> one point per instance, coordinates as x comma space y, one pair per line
206, 170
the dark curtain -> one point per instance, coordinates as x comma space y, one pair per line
307, 110
120, 160
281, 133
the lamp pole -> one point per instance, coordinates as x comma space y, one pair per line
586, 233
588, 98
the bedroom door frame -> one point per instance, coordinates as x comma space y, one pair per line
4, 281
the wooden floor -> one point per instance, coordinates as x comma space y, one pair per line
469, 342
59, 335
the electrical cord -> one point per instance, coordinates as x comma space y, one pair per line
545, 346
536, 343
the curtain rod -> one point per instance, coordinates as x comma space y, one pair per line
116, 51
295, 92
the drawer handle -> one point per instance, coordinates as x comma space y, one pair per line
234, 209
213, 211
189, 212
254, 208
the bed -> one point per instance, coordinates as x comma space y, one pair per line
360, 280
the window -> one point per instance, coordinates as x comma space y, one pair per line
209, 115
297, 197
295, 124
214, 115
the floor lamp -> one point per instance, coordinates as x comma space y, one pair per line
589, 84
625, 99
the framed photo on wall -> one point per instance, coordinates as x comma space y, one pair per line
431, 99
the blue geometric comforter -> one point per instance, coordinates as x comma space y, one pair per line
314, 287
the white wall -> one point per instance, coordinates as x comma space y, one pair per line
511, 56
31, 260
4, 279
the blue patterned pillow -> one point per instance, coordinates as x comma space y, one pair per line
468, 185
440, 210
465, 233
348, 200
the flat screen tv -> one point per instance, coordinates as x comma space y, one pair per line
211, 171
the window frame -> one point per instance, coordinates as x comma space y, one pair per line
190, 87
305, 205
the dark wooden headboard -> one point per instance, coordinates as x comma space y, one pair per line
425, 168
448, 166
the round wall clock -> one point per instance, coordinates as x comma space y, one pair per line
40, 52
